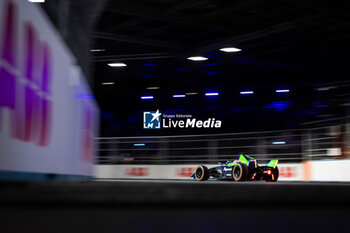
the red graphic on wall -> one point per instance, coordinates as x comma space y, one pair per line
137, 171
185, 171
88, 132
26, 93
287, 172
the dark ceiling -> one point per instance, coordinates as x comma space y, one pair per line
285, 44
75, 20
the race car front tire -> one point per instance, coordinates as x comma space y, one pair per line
240, 172
202, 173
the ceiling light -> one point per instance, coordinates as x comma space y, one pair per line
146, 97
116, 64
198, 58
325, 88
247, 92
192, 93
97, 50
279, 143
153, 88
230, 49
108, 83
179, 96
36, 1
211, 94
139, 144
282, 91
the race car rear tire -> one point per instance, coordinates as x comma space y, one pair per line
274, 175
202, 173
240, 172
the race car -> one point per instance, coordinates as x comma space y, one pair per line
245, 168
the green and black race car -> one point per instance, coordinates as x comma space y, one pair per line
245, 168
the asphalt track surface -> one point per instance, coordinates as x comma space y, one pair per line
174, 206
175, 192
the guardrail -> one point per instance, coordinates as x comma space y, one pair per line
285, 145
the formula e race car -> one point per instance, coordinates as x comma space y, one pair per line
245, 168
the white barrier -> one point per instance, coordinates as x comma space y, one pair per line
288, 172
328, 170
48, 117
144, 171
324, 170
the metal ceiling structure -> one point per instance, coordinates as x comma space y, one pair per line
75, 20
285, 43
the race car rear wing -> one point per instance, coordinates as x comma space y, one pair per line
272, 163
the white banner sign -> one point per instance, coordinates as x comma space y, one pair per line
48, 117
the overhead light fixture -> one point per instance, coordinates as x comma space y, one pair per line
279, 143
108, 83
211, 94
139, 144
191, 93
97, 50
152, 88
116, 64
230, 49
146, 97
197, 58
325, 88
179, 96
246, 92
37, 1
282, 91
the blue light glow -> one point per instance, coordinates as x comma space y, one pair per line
278, 105
211, 64
211, 72
85, 96
146, 97
282, 91
211, 94
180, 69
179, 96
246, 92
279, 143
139, 144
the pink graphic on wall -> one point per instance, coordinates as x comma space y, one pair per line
7, 58
27, 93
88, 132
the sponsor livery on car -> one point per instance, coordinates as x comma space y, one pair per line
245, 168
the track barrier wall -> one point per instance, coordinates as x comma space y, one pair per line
329, 170
288, 172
